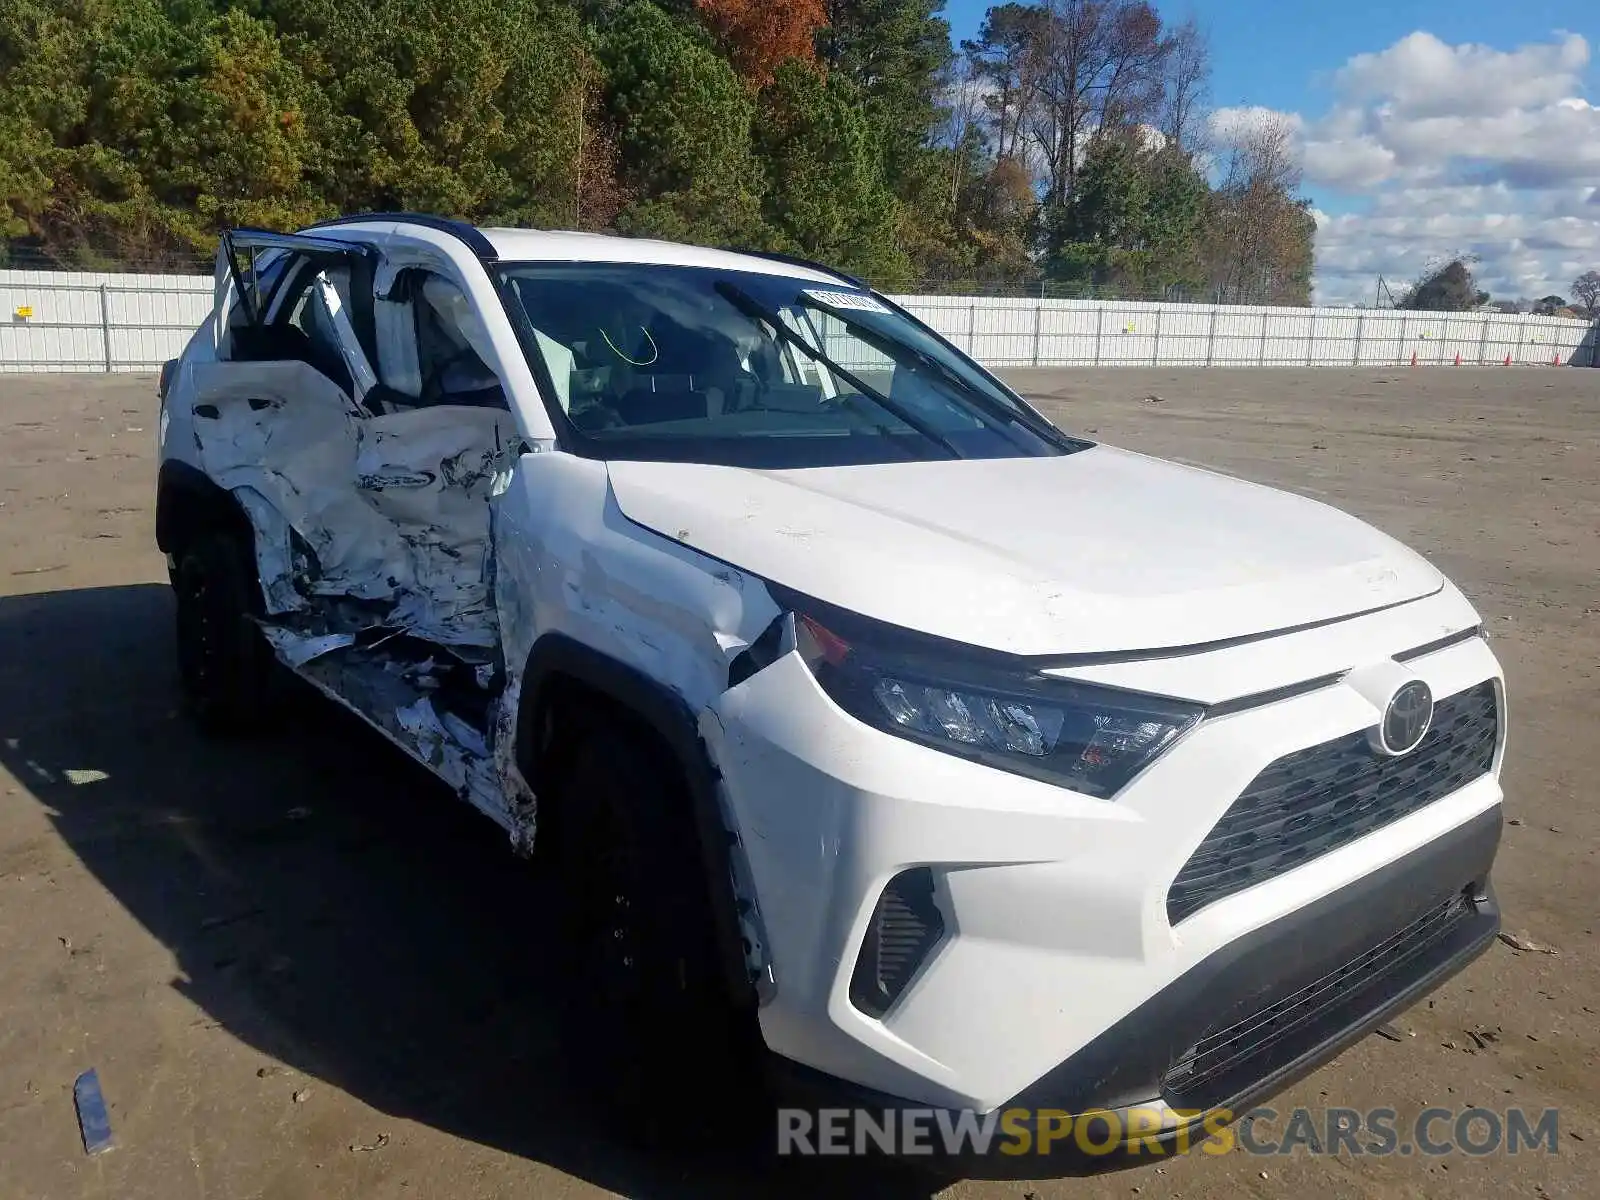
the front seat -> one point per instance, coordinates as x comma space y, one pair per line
467, 380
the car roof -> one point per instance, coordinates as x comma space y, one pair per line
567, 245
539, 245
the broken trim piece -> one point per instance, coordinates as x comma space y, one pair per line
274, 552
297, 649
445, 745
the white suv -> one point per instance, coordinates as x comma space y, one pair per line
877, 731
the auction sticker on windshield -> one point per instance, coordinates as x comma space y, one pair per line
850, 300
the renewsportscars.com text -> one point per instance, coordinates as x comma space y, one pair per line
1163, 1132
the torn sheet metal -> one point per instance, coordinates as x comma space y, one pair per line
297, 649
377, 689
274, 545
391, 508
521, 804
337, 315
454, 750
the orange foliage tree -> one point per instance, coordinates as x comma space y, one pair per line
762, 34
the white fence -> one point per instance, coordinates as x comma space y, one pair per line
72, 321
1105, 333
83, 321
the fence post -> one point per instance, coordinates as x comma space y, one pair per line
1361, 325
1211, 335
972, 330
1483, 340
1099, 324
1261, 351
1038, 326
105, 326
1155, 349
1311, 337
1403, 338
1522, 334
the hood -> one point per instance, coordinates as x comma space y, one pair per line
1094, 552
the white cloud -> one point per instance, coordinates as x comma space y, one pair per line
1420, 76
1455, 148
1531, 147
1230, 123
1349, 163
1527, 244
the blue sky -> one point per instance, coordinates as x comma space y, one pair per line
1426, 127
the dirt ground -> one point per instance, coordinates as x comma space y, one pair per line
302, 971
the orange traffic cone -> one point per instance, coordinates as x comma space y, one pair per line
1555, 360
1413, 358
1508, 360
1458, 358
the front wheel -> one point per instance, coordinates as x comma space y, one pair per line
677, 1055
225, 665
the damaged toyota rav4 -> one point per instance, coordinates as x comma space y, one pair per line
890, 747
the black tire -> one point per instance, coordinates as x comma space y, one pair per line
676, 1059
225, 666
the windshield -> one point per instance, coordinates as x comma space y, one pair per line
746, 369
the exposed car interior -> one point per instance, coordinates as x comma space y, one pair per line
419, 345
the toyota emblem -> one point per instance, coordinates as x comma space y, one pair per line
1406, 720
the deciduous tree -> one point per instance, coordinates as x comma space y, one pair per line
1186, 84
1259, 237
762, 34
1064, 137
1007, 57
1586, 287
1101, 67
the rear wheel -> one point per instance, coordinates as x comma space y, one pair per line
679, 1059
225, 665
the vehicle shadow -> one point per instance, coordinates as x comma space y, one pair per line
327, 902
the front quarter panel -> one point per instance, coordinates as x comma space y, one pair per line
567, 562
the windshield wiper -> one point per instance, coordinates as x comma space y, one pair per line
751, 307
964, 387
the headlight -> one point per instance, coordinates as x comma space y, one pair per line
1090, 739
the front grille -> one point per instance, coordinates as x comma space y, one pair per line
1316, 800
1221, 1062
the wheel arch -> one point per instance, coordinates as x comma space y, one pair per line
189, 502
557, 664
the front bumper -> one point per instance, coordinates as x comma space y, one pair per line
1057, 932
1263, 1011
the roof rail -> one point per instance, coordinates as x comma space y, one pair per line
465, 231
795, 260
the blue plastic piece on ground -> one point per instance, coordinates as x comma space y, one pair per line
93, 1120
